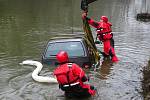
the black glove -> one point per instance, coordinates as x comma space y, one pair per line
84, 5
84, 79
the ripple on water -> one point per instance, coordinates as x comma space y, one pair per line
22, 87
123, 83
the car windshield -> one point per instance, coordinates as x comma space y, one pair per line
73, 48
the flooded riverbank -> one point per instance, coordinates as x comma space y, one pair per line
146, 82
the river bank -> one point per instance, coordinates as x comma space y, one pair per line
146, 82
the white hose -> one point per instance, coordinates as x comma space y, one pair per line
35, 73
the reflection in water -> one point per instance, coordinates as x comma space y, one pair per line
105, 69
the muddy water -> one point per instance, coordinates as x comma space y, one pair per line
27, 25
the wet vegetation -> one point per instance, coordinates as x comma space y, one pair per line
143, 17
146, 82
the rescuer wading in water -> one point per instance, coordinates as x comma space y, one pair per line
71, 78
103, 28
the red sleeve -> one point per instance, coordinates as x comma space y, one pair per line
78, 71
92, 22
109, 23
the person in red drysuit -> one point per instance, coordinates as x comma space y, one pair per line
71, 78
103, 28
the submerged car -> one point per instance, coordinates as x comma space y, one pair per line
79, 50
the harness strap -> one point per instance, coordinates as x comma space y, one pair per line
69, 66
104, 33
72, 82
100, 29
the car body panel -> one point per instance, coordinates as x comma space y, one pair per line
78, 50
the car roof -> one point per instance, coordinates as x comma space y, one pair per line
65, 40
